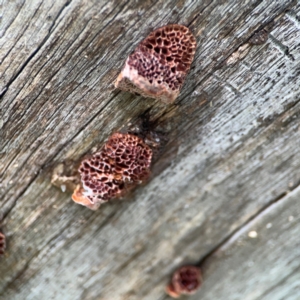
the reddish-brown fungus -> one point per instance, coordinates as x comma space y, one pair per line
158, 66
185, 281
2, 243
123, 162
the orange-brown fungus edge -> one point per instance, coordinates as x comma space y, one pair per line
2, 243
123, 162
158, 66
185, 281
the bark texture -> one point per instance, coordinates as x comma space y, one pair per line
224, 191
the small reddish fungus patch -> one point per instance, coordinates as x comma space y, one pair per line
122, 163
158, 66
2, 243
185, 281
259, 38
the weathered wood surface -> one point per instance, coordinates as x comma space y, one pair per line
231, 164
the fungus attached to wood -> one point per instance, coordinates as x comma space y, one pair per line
122, 163
185, 281
2, 243
158, 66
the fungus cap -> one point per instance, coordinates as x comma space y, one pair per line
185, 281
123, 162
2, 243
158, 66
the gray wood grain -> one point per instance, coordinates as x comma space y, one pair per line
262, 267
230, 159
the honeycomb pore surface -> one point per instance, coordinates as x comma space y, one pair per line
123, 162
160, 63
187, 280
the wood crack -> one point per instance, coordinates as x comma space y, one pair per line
21, 273
224, 59
294, 18
281, 47
23, 66
3, 34
230, 239
7, 211
20, 36
61, 148
50, 78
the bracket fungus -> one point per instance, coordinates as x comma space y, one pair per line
158, 66
185, 281
122, 163
2, 243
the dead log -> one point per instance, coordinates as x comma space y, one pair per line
224, 189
